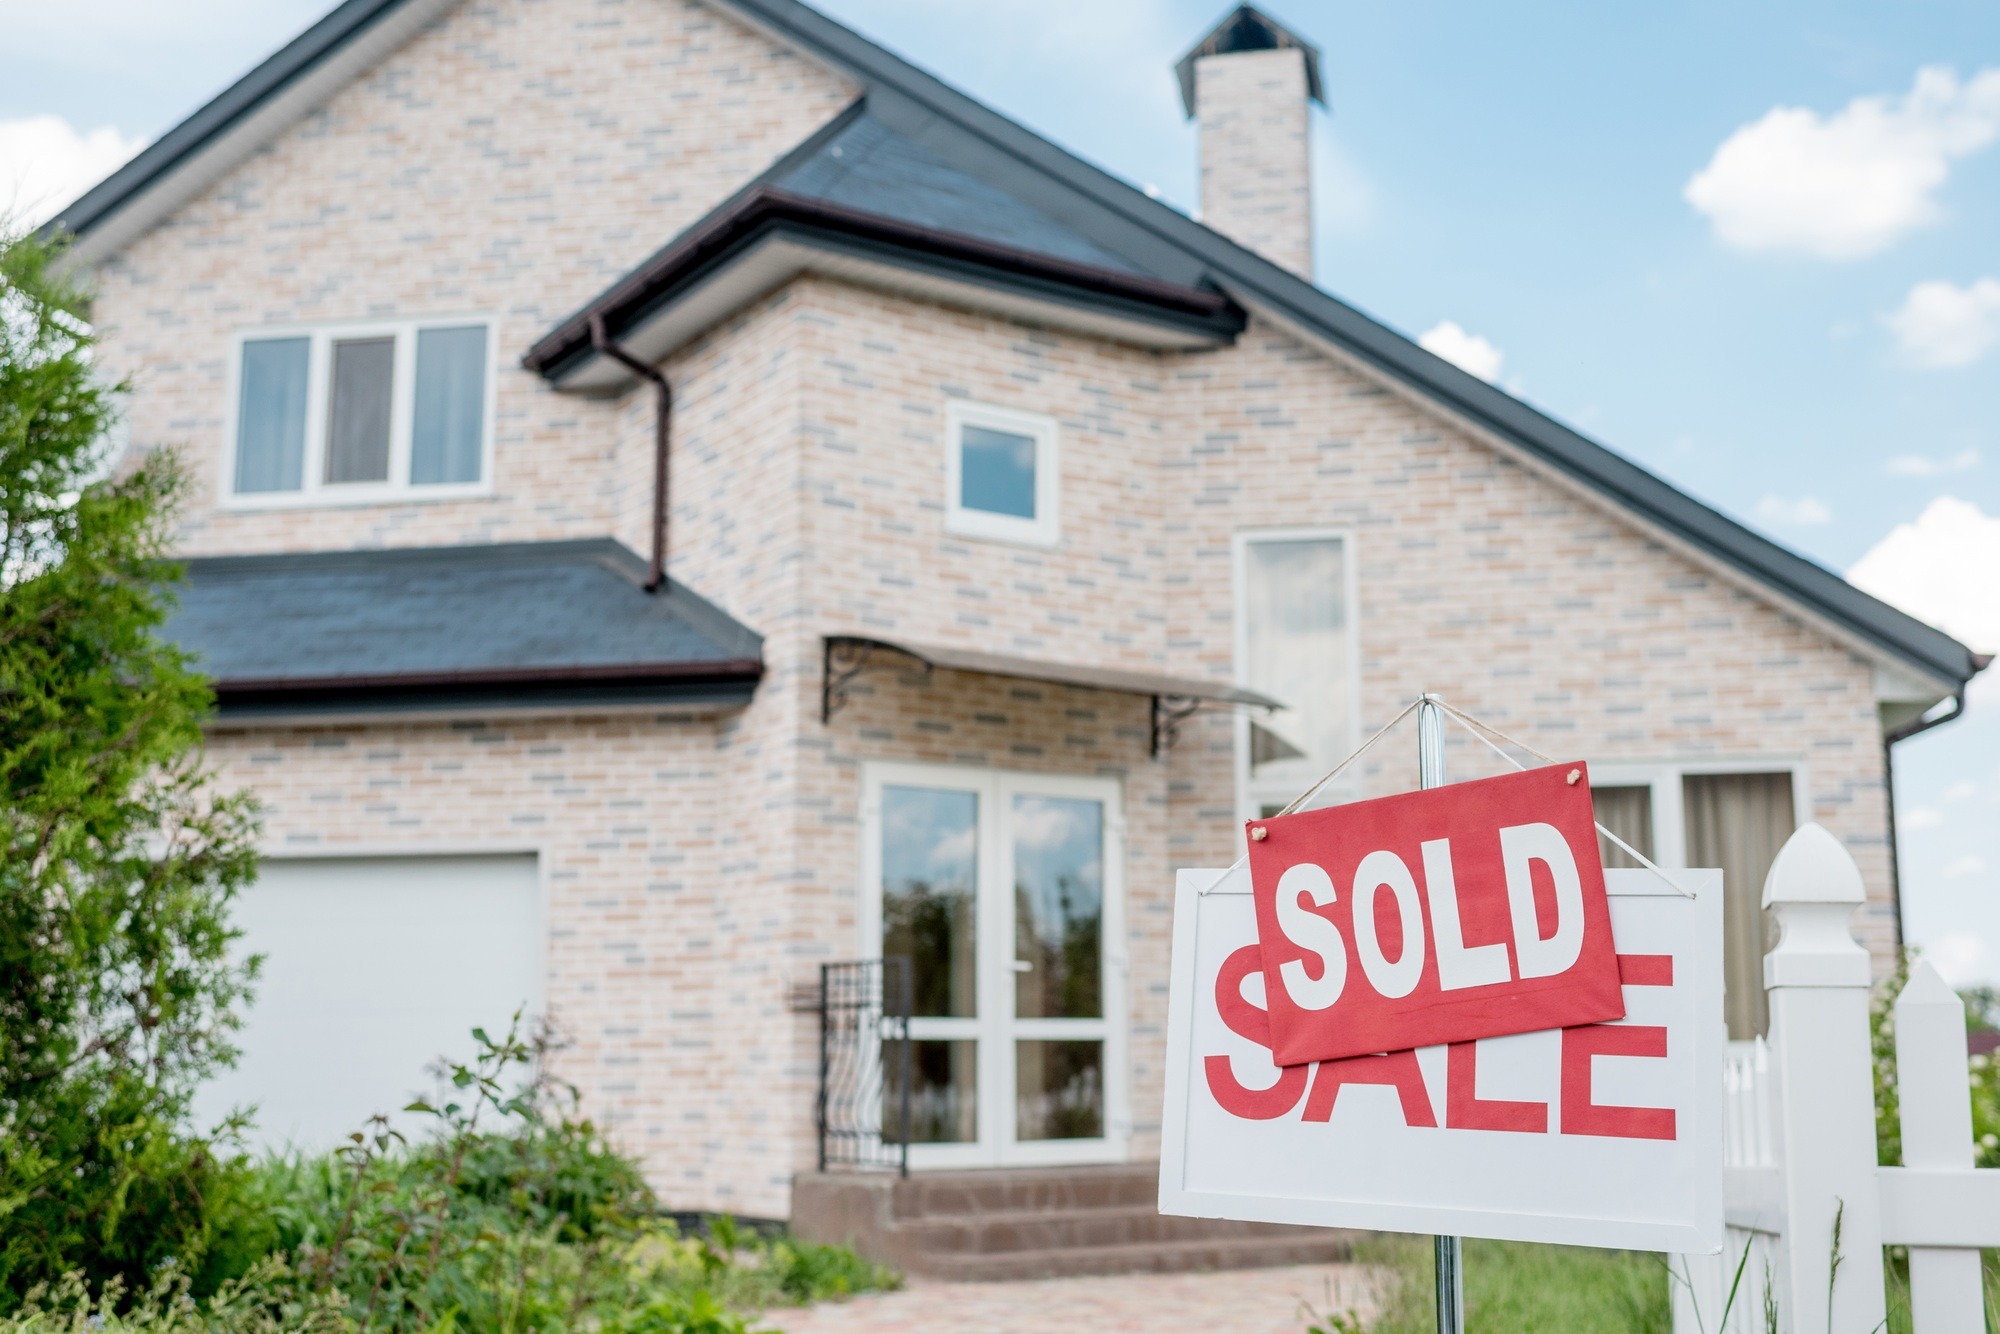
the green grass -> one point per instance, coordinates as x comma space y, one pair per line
1516, 1288
1512, 1286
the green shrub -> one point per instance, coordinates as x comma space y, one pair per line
118, 858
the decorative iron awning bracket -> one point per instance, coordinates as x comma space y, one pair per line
1169, 712
844, 657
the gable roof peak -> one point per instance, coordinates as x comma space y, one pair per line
1248, 28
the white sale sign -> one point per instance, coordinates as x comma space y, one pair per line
1603, 1135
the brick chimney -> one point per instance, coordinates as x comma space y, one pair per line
1248, 84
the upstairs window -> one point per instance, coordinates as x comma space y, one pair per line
1001, 474
361, 413
1294, 642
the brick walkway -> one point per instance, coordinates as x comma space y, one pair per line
1249, 1300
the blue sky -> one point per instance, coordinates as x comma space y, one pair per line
1812, 349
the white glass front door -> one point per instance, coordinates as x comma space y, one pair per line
1005, 892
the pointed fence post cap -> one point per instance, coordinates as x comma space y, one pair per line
1813, 867
1928, 987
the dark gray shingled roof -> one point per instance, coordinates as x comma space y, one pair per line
440, 627
1148, 238
866, 166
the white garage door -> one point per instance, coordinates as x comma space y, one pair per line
374, 968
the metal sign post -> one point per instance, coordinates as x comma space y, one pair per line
1450, 1250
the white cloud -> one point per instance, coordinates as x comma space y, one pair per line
1961, 790
1962, 959
1940, 568
1940, 325
1960, 867
1850, 184
1793, 513
1919, 817
1920, 465
1471, 353
44, 164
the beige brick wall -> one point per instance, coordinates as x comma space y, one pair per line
510, 161
1256, 152
634, 834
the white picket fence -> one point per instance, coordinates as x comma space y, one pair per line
1799, 1137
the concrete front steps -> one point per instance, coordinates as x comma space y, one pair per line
1040, 1222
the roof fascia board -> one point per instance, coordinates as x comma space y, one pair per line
301, 76
248, 709
760, 214
783, 253
767, 263
1875, 654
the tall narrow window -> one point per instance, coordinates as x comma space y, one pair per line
1296, 648
930, 880
359, 404
1738, 822
1001, 474
447, 421
271, 414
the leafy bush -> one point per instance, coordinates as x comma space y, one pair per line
118, 858
512, 1213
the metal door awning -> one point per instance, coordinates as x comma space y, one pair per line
845, 657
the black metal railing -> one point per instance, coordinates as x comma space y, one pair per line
864, 1064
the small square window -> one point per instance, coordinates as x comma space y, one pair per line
1002, 474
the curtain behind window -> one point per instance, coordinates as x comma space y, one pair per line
1738, 822
271, 415
361, 405
1628, 813
449, 415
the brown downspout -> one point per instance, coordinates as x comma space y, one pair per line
656, 575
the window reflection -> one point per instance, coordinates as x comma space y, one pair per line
1059, 1090
997, 471
1058, 907
1295, 649
930, 850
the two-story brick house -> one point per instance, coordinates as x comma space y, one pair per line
684, 496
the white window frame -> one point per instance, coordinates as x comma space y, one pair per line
1045, 529
995, 1028
1664, 778
1249, 798
314, 493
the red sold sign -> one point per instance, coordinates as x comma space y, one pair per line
1462, 912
